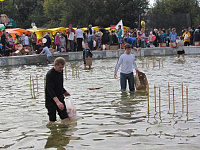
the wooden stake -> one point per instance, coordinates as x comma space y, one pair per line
182, 97
142, 62
37, 84
187, 98
33, 89
169, 95
173, 102
148, 99
78, 71
155, 96
159, 101
159, 62
153, 61
146, 62
31, 86
65, 71
72, 70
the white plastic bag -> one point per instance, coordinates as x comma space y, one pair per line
71, 109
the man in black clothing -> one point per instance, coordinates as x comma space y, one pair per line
55, 92
3, 42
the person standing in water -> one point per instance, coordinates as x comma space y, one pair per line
55, 92
127, 63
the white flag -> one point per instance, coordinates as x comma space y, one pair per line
120, 23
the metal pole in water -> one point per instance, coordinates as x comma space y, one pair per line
155, 96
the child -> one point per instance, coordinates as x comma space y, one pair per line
87, 54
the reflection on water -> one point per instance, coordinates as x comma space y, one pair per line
60, 135
108, 118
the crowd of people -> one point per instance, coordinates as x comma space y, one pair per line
74, 39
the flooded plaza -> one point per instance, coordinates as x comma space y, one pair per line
107, 118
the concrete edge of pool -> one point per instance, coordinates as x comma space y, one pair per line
105, 54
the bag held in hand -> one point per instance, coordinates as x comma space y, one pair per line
88, 61
71, 109
141, 81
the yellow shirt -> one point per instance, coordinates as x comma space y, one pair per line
186, 36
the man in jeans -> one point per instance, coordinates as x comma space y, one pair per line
127, 63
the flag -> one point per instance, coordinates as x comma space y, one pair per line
120, 23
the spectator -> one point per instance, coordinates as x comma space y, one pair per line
79, 38
3, 42
105, 38
26, 40
173, 36
157, 37
62, 43
11, 40
57, 42
71, 35
119, 36
34, 41
113, 40
47, 52
132, 41
90, 34
48, 43
197, 37
98, 39
186, 35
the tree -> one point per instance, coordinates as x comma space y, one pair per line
177, 7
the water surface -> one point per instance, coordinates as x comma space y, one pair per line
107, 118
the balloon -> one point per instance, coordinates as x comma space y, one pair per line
142, 23
44, 40
2, 27
34, 28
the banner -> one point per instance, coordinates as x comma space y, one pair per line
120, 23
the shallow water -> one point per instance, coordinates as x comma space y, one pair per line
107, 118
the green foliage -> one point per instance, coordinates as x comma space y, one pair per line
178, 6
55, 13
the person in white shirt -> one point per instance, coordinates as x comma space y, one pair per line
26, 40
79, 38
48, 53
127, 63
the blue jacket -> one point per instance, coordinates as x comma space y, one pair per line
131, 40
173, 36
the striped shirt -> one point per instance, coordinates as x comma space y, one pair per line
127, 63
